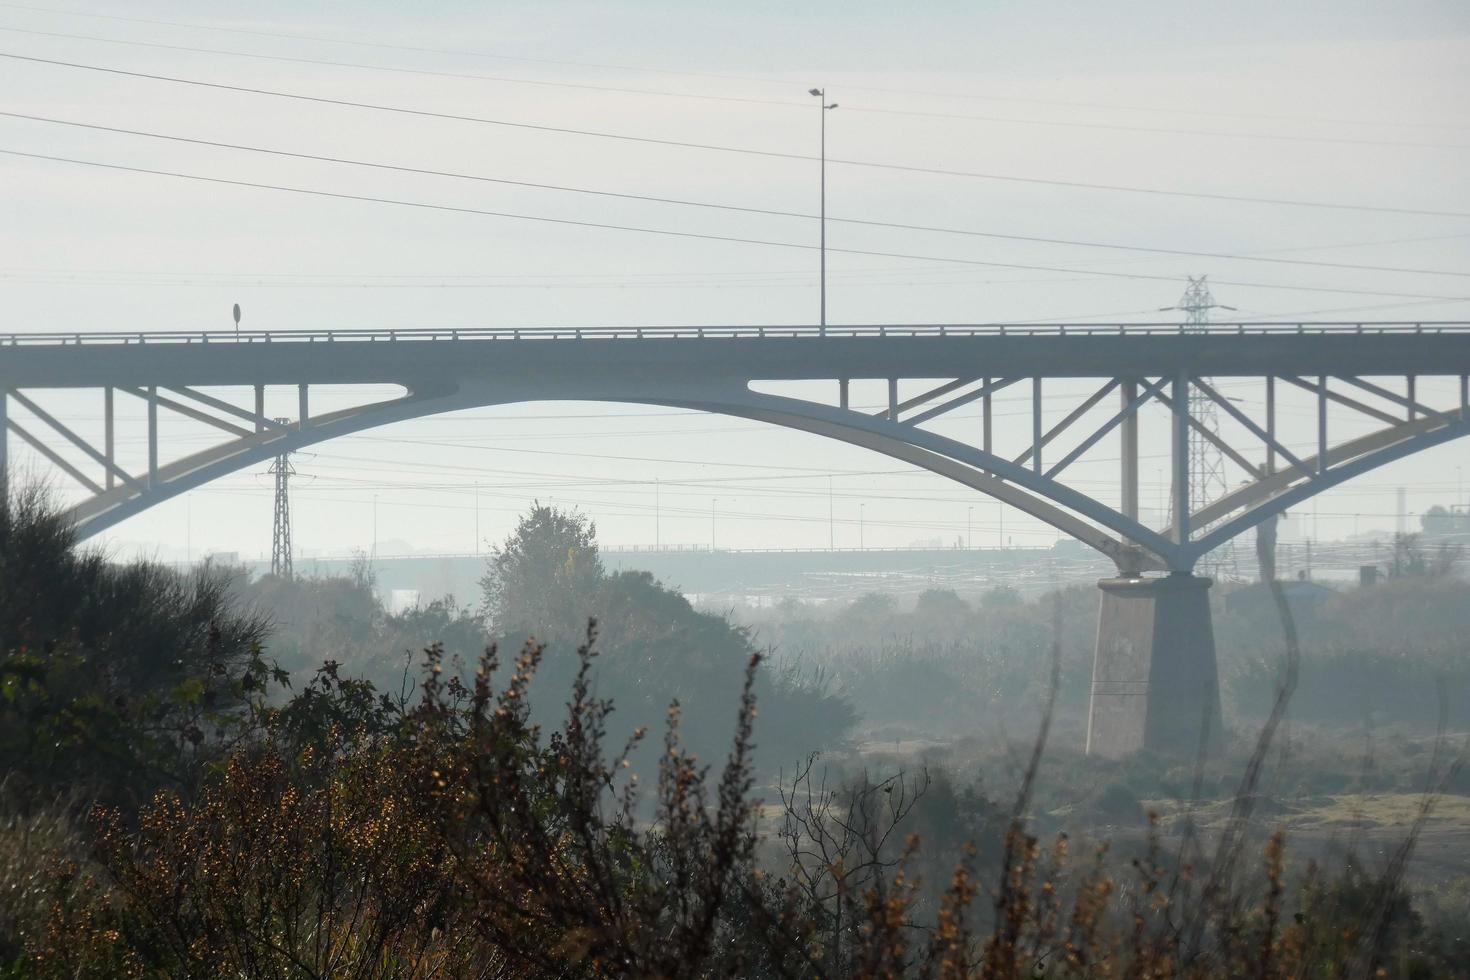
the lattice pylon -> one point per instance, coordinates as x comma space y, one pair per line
1207, 480
282, 469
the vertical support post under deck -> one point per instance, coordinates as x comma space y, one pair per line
4, 444
1271, 424
303, 414
152, 437
1464, 397
1410, 388
1179, 456
842, 392
1129, 454
260, 408
893, 399
985, 415
1036, 424
108, 434
1321, 423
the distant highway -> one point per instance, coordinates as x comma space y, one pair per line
821, 574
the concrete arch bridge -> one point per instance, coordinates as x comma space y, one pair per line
1374, 393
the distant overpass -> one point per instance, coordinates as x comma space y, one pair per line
822, 574
759, 575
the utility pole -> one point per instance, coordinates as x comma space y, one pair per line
281, 526
1207, 481
821, 93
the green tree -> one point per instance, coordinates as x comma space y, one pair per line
1435, 520
547, 581
114, 678
543, 578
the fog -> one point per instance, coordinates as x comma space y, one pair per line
1323, 102
642, 489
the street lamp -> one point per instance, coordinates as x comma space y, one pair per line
969, 527
821, 93
861, 547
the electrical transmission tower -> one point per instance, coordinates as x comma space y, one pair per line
1207, 480
281, 531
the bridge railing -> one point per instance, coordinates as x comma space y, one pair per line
231, 337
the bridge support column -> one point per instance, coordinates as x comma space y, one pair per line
1154, 681
4, 444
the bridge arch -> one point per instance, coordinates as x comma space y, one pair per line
713, 369
968, 466
1132, 546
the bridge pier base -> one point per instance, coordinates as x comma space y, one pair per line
1155, 684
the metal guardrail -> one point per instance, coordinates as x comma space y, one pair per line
230, 337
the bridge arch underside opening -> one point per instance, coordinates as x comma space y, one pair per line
109, 508
1131, 545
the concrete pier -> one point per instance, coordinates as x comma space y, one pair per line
1155, 684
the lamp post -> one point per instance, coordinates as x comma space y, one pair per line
969, 527
861, 547
821, 93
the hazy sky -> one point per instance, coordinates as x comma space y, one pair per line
1329, 102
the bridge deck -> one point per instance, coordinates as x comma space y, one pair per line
91, 359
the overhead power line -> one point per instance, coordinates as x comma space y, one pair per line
1164, 130
622, 90
683, 202
876, 276
733, 239
748, 151
725, 76
318, 39
427, 72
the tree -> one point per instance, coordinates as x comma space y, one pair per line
542, 579
942, 612
114, 678
1410, 560
1436, 520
